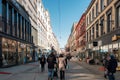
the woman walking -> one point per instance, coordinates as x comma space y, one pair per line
62, 63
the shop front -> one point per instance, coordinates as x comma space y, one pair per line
9, 52
15, 52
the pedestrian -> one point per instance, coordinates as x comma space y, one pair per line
66, 66
51, 60
62, 63
42, 62
112, 65
105, 64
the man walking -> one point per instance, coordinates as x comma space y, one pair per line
112, 65
42, 62
51, 62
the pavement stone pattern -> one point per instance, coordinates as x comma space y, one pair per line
95, 69
76, 71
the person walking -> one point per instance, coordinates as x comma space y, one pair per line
105, 64
51, 60
42, 62
62, 63
112, 65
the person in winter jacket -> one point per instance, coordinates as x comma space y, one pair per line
51, 60
42, 62
62, 63
111, 67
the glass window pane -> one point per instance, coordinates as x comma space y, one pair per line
118, 16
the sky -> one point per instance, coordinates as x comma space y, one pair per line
63, 13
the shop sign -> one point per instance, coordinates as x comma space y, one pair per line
116, 37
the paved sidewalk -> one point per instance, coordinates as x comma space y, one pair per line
95, 69
19, 68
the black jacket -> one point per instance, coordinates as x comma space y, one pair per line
112, 65
42, 60
51, 61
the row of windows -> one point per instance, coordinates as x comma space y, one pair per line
14, 24
99, 29
92, 14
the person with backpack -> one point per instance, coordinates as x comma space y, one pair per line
42, 62
51, 60
111, 67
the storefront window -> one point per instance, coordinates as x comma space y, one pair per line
29, 53
9, 52
21, 53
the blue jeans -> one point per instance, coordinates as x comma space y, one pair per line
111, 76
50, 73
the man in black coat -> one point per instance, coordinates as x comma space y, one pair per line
42, 62
51, 60
112, 65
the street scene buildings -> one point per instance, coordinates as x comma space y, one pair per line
26, 37
25, 31
100, 30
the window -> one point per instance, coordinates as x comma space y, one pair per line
23, 27
108, 2
92, 13
15, 22
4, 9
109, 23
90, 35
87, 21
102, 25
26, 31
118, 16
97, 30
93, 33
96, 9
102, 5
13, 18
9, 27
29, 32
89, 17
18, 29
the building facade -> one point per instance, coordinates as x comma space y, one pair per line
16, 38
80, 37
102, 23
72, 39
46, 37
43, 21
31, 8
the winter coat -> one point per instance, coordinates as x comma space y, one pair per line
51, 61
112, 65
61, 63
